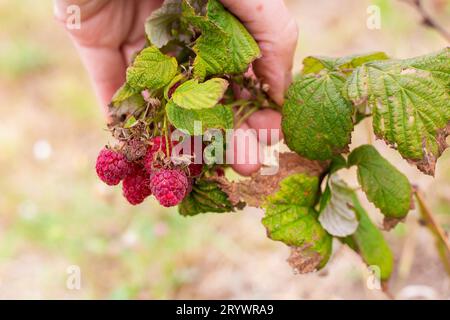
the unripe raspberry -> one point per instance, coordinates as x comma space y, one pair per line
136, 187
112, 166
169, 186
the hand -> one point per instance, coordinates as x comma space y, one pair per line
112, 30
276, 32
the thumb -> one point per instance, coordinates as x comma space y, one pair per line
275, 30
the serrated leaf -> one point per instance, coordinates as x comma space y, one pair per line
315, 64
337, 215
205, 197
161, 22
218, 117
410, 104
123, 93
151, 69
290, 218
194, 95
317, 120
225, 46
384, 185
437, 64
369, 242
124, 106
168, 90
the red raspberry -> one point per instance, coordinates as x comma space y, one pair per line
220, 172
112, 166
136, 187
169, 186
195, 169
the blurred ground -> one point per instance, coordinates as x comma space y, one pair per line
54, 213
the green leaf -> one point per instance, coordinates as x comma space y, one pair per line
338, 162
225, 46
178, 78
151, 70
124, 104
317, 120
194, 95
384, 185
131, 122
123, 93
315, 64
410, 104
369, 242
161, 22
218, 117
290, 218
336, 214
437, 64
205, 197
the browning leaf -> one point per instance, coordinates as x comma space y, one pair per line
254, 190
303, 260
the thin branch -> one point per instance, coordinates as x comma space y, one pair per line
442, 241
428, 20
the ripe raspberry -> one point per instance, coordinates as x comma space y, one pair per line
195, 169
169, 186
220, 172
136, 186
112, 166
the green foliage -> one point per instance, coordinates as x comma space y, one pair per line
317, 120
194, 95
369, 242
160, 24
315, 64
124, 93
409, 100
126, 103
205, 197
384, 185
151, 69
225, 46
291, 218
218, 117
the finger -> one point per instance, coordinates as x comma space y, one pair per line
271, 24
136, 38
88, 8
106, 68
267, 123
243, 151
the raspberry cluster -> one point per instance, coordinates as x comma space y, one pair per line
147, 173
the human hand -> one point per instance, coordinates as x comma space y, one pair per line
276, 32
112, 31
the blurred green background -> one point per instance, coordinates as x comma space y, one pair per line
54, 212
